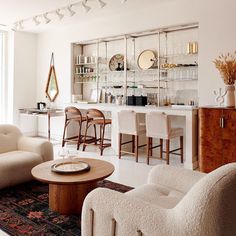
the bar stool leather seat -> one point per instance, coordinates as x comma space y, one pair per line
158, 126
129, 123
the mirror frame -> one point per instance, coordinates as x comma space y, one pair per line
52, 70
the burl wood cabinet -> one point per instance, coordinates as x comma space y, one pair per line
217, 137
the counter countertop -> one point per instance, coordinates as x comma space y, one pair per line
114, 107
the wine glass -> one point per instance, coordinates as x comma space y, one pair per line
63, 152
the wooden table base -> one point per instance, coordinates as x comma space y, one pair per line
67, 192
68, 199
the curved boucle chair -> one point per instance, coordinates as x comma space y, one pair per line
19, 154
175, 201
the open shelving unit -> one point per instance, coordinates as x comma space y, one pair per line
175, 69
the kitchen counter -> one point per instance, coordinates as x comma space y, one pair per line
189, 113
111, 107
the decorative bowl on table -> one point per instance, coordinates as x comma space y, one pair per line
70, 167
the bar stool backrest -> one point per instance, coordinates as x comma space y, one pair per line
72, 112
127, 122
158, 125
95, 114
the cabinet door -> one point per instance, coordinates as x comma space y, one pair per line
210, 139
229, 135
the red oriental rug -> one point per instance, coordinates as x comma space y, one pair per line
24, 211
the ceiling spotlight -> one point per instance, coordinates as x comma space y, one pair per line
69, 8
36, 21
123, 1
101, 3
60, 15
21, 25
47, 20
85, 7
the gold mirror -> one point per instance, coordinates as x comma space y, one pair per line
52, 87
146, 59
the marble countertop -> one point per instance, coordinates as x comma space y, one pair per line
142, 109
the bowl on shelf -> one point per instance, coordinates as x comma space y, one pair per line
117, 86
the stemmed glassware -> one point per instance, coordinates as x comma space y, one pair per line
63, 153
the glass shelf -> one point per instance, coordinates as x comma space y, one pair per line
145, 71
86, 73
111, 82
110, 87
151, 87
178, 79
179, 55
170, 50
85, 82
139, 81
86, 64
110, 72
142, 81
180, 67
133, 71
100, 82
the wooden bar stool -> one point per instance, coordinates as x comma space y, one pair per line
128, 122
158, 126
73, 114
96, 118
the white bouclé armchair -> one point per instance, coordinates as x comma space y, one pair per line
19, 154
175, 201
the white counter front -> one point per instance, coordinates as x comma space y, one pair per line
191, 125
140, 109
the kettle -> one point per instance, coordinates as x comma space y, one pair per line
41, 105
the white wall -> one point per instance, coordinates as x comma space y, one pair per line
138, 18
216, 35
24, 77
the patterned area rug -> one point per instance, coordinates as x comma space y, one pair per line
24, 211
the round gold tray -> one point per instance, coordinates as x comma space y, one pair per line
70, 167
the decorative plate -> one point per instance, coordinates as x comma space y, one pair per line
146, 59
116, 63
70, 167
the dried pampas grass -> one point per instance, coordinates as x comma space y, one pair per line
226, 64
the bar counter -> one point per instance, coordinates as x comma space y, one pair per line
190, 115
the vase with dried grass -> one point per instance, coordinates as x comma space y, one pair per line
226, 64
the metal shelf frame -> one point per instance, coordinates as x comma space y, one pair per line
157, 72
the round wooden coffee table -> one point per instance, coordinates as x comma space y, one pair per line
68, 191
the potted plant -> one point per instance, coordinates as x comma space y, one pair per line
226, 64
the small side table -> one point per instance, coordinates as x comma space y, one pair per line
68, 191
47, 112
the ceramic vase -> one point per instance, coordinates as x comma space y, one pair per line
229, 99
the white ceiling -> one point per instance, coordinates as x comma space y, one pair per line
15, 10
